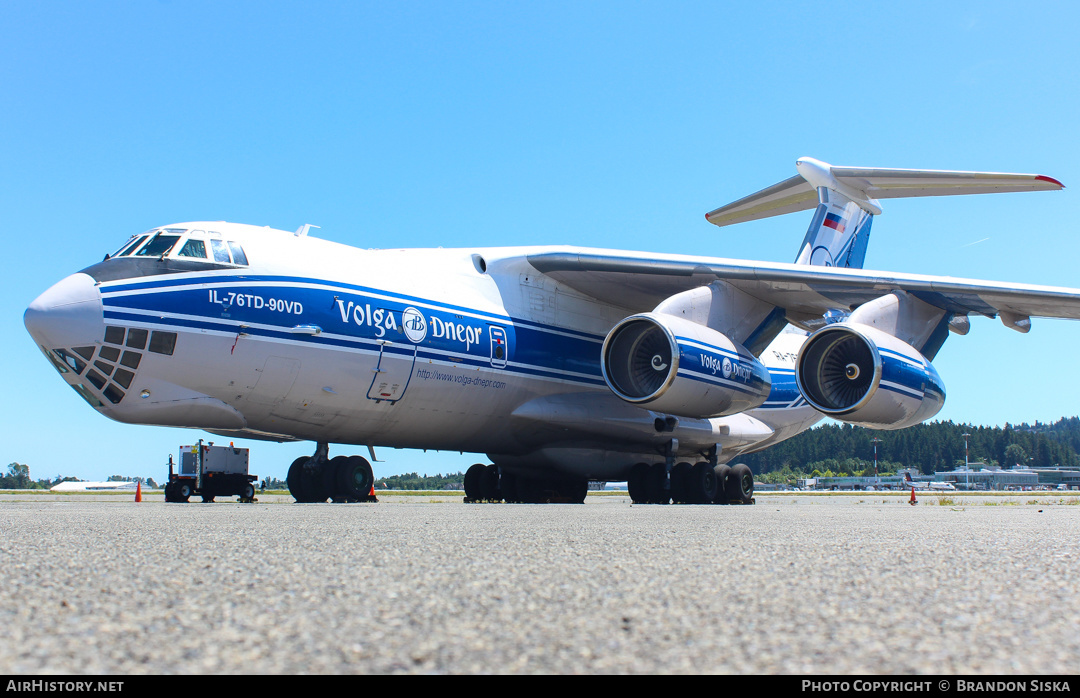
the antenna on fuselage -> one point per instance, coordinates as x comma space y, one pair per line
303, 230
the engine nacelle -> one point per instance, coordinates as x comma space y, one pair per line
863, 376
673, 365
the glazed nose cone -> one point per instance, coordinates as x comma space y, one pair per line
68, 314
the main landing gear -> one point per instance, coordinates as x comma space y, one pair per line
700, 483
342, 478
489, 483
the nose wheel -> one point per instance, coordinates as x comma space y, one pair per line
316, 478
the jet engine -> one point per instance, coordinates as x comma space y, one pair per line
860, 375
670, 364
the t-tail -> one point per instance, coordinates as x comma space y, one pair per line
846, 201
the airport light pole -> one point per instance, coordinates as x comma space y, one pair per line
967, 468
875, 441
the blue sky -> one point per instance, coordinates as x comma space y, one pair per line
605, 124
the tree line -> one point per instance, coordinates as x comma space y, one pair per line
929, 447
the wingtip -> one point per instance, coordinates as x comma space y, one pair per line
1053, 181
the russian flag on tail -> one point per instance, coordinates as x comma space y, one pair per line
834, 221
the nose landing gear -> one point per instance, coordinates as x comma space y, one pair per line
342, 478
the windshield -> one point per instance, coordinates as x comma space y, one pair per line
131, 244
181, 243
158, 246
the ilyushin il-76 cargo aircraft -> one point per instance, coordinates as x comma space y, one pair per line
561, 364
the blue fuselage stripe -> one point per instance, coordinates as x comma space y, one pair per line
271, 307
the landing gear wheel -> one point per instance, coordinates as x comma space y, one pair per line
656, 484
330, 479
313, 482
723, 473
474, 477
740, 484
635, 484
680, 481
508, 485
295, 479
534, 490
575, 491
700, 484
490, 481
354, 478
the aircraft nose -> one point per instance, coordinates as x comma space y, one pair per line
68, 314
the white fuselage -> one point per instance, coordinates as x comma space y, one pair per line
451, 349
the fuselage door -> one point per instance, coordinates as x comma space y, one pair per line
393, 372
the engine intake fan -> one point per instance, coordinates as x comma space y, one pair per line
676, 366
844, 368
861, 375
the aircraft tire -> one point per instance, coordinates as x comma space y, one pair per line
354, 478
740, 484
723, 472
701, 484
529, 490
508, 485
680, 483
473, 482
656, 484
575, 491
538, 490
635, 484
314, 483
489, 486
295, 479
329, 479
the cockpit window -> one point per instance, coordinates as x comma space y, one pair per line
159, 246
193, 248
130, 246
220, 250
238, 255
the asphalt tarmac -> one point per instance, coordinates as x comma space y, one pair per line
862, 584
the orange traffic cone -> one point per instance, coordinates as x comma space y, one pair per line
913, 501
138, 491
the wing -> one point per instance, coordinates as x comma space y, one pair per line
639, 282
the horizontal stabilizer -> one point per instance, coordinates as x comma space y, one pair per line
865, 184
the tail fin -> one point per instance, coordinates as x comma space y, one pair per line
838, 233
846, 200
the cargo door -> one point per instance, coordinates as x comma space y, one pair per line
393, 372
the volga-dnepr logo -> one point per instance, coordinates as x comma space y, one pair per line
414, 324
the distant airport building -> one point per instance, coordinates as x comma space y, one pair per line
1056, 477
990, 478
982, 478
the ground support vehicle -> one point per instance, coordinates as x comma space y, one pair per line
210, 471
